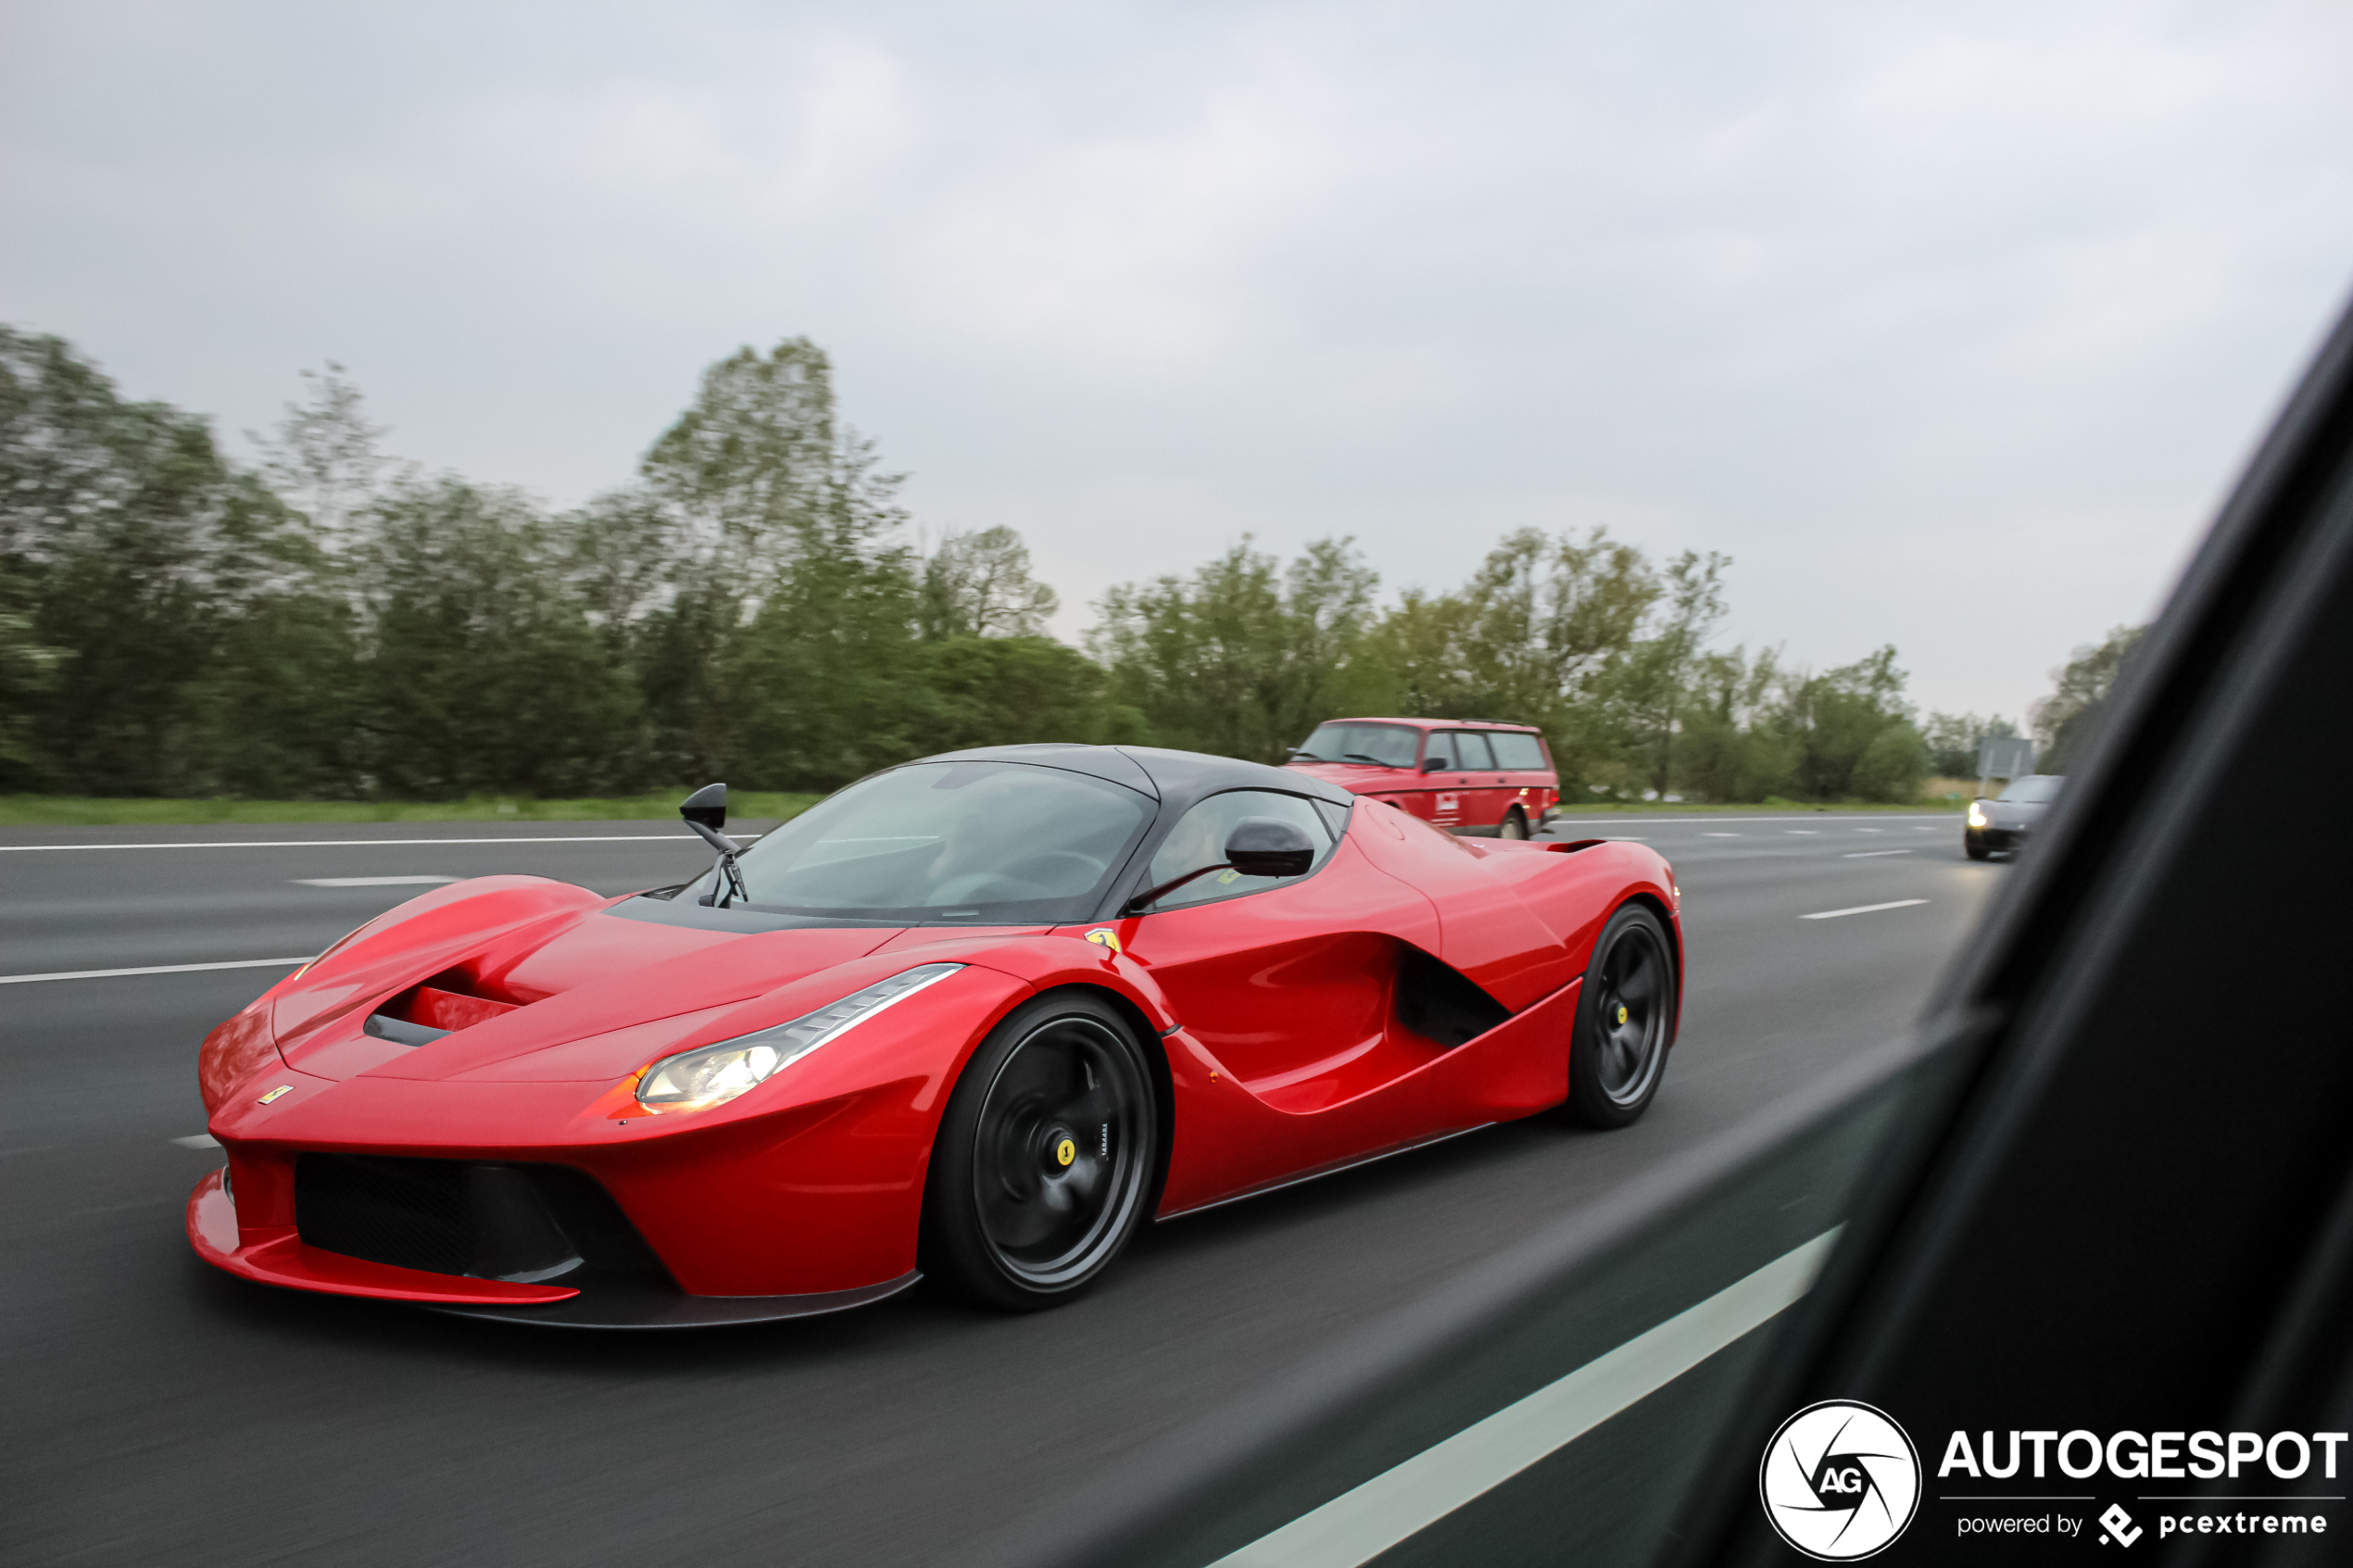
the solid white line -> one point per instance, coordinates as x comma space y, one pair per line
152, 968
201, 1140
367, 881
1864, 908
1358, 1526
371, 843
1870, 854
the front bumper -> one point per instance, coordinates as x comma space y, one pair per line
580, 1294
1997, 839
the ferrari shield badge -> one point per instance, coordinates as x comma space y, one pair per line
281, 1089
1103, 937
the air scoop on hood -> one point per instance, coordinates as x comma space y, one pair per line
612, 986
423, 1013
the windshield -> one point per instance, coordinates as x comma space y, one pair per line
1391, 745
2034, 788
989, 843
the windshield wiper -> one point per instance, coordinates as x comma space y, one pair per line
1360, 757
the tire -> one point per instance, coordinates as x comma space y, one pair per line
1976, 851
1625, 1021
1044, 1161
1514, 824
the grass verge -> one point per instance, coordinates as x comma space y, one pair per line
84, 810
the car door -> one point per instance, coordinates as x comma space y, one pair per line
1483, 794
1527, 778
1286, 989
1440, 796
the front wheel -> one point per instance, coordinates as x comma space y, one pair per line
1514, 824
1625, 1021
1976, 851
1044, 1159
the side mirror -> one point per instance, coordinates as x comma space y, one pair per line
1266, 846
1432, 764
707, 807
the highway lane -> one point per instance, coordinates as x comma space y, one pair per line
163, 1412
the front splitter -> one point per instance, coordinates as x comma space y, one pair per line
650, 1304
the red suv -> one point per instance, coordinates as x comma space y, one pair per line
1463, 774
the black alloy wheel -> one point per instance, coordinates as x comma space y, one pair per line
1045, 1157
1625, 1021
1977, 851
1514, 824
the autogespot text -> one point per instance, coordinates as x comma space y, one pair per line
2133, 1456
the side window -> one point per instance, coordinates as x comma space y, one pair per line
1470, 753
1199, 839
1441, 751
1518, 753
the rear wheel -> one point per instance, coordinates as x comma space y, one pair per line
1040, 1175
1514, 824
1625, 1021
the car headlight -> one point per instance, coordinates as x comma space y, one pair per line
710, 1075
1977, 813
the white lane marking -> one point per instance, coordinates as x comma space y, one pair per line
1870, 854
372, 843
1803, 833
369, 881
202, 1140
1871, 830
1719, 835
1359, 1524
1864, 908
153, 969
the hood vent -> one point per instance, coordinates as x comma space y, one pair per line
425, 1013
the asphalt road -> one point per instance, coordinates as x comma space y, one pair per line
158, 1411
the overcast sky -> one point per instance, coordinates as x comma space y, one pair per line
1950, 324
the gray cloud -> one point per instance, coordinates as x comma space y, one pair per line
1950, 328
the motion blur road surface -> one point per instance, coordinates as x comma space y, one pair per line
159, 1411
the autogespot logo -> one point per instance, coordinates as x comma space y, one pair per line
1839, 1480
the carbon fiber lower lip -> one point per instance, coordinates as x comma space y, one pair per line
628, 1303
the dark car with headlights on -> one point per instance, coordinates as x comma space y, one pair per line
2007, 822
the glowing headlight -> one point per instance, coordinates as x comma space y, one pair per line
1977, 813
711, 1075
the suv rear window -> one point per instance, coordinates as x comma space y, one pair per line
1517, 751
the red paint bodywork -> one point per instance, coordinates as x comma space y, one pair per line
1462, 800
1284, 1050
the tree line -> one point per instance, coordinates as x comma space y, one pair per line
326, 623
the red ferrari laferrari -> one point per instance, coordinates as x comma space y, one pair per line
975, 1018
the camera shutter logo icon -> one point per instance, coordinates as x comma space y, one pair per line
1839, 1481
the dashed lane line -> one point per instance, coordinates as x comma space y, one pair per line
372, 843
1865, 910
369, 881
201, 1140
153, 969
1870, 854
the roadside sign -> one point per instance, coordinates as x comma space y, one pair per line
2005, 757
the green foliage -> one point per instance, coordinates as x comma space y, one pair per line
979, 585
1951, 738
1243, 657
172, 625
2066, 719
